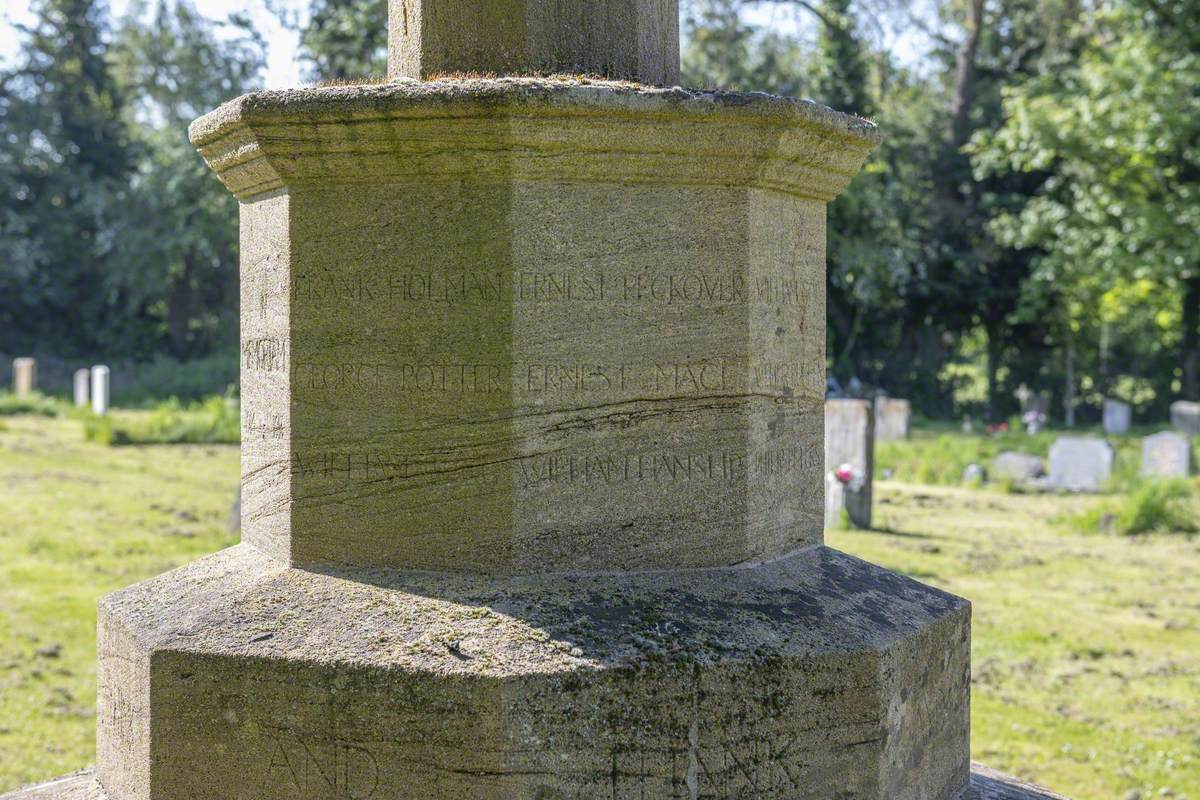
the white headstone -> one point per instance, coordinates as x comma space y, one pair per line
1080, 464
1117, 417
850, 453
83, 379
1185, 417
100, 389
891, 419
1166, 454
24, 376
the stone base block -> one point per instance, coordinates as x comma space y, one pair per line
986, 784
815, 676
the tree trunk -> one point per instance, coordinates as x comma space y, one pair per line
964, 75
1069, 384
993, 369
1189, 343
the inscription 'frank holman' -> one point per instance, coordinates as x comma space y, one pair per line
466, 288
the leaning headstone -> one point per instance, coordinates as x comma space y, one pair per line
24, 376
83, 379
532, 381
100, 389
850, 459
1117, 417
1079, 464
1185, 417
891, 419
1166, 454
1018, 467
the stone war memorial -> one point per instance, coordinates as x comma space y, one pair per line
532, 466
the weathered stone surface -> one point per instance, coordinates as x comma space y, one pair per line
81, 387
634, 40
850, 442
1117, 417
1080, 464
483, 375
24, 376
1185, 417
1017, 466
100, 384
986, 784
1166, 454
817, 675
891, 419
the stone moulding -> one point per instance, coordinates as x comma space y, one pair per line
530, 129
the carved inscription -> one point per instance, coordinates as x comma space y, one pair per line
694, 289
570, 468
676, 378
266, 354
322, 770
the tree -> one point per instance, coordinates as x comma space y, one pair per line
345, 39
723, 52
65, 160
183, 254
1118, 135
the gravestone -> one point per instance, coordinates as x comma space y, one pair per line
532, 377
1117, 417
849, 461
24, 376
1018, 467
1185, 417
1167, 455
82, 381
891, 419
1079, 464
100, 389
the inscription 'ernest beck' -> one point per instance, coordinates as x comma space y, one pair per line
467, 288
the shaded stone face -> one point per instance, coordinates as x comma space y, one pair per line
1080, 464
530, 367
635, 40
1167, 455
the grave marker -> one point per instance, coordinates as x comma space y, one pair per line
849, 460
1080, 464
1185, 417
1117, 417
24, 376
1166, 454
100, 389
891, 419
82, 382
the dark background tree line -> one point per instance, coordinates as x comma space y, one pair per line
1031, 218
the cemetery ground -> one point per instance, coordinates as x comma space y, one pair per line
1086, 646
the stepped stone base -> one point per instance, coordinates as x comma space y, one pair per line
986, 784
815, 676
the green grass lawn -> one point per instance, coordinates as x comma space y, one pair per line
1086, 647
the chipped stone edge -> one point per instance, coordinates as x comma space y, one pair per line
411, 98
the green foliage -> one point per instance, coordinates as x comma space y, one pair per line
723, 52
187, 380
35, 404
343, 39
212, 421
1150, 506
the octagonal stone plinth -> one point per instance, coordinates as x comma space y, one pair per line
520, 326
817, 676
